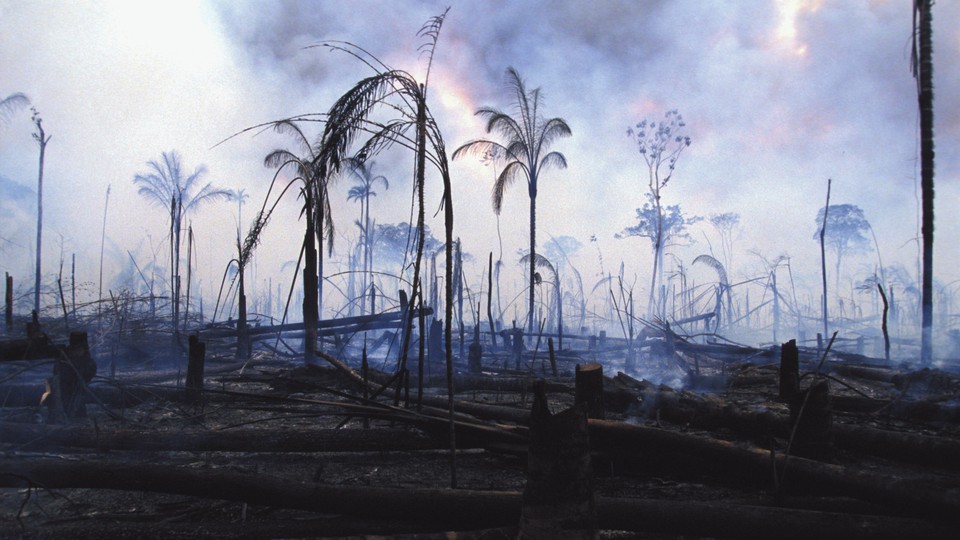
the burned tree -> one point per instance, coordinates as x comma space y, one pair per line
845, 233
168, 186
362, 172
42, 139
399, 92
526, 138
663, 226
312, 175
660, 145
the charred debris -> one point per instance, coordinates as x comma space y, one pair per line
125, 432
135, 416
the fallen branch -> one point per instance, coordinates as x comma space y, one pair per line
427, 509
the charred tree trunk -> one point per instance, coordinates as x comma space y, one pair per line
8, 302
42, 139
789, 370
924, 73
195, 364
311, 313
589, 389
558, 500
493, 331
883, 325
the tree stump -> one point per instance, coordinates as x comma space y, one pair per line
73, 371
8, 303
811, 411
194, 387
589, 389
789, 370
558, 499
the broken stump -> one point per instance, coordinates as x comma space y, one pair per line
558, 499
789, 370
194, 387
589, 389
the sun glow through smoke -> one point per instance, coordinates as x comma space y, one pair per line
786, 34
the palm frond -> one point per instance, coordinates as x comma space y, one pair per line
348, 116
480, 148
12, 104
541, 262
507, 176
552, 130
553, 159
431, 31
716, 265
288, 126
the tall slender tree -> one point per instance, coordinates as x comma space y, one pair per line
660, 145
401, 93
923, 71
42, 139
311, 173
168, 186
525, 138
362, 192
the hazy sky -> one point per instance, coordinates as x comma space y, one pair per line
778, 96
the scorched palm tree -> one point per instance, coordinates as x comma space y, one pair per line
167, 186
526, 136
311, 172
401, 93
362, 192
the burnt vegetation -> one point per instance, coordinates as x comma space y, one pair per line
394, 391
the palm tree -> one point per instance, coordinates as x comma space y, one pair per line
362, 192
524, 152
167, 186
400, 92
312, 174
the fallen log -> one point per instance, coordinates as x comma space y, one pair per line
927, 494
708, 412
430, 509
427, 509
357, 321
36, 437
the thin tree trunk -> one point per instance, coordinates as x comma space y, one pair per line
493, 332
823, 259
103, 236
925, 76
531, 330
186, 309
42, 139
420, 180
310, 306
448, 229
883, 324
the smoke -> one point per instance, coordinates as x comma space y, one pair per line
778, 96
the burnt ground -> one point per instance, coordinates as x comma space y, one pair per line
276, 449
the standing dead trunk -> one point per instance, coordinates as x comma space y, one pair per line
924, 74
42, 139
883, 325
789, 370
589, 389
311, 310
493, 331
823, 259
558, 500
195, 365
8, 302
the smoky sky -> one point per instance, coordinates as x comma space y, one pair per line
778, 96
